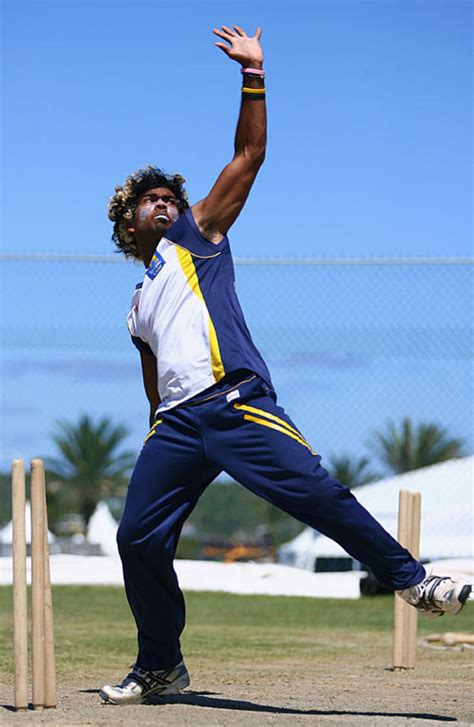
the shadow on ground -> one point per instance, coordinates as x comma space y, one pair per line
211, 700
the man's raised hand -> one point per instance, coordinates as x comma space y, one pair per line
242, 48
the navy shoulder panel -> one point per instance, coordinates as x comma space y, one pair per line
185, 232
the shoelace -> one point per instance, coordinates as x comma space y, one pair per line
427, 599
148, 679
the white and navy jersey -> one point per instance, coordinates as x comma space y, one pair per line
187, 313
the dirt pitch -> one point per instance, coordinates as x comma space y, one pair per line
345, 692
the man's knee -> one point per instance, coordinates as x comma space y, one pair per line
125, 539
135, 540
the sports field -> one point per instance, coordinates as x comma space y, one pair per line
253, 660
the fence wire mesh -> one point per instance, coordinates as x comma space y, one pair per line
350, 344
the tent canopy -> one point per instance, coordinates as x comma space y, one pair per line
446, 513
102, 529
6, 533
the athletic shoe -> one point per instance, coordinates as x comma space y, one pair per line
437, 595
140, 684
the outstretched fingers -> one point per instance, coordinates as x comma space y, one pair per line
239, 46
223, 47
225, 33
229, 30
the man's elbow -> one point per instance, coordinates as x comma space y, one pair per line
260, 157
255, 155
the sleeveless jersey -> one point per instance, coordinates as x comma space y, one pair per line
187, 313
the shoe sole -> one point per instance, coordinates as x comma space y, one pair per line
462, 598
464, 595
160, 691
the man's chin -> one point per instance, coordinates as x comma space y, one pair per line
162, 226
159, 228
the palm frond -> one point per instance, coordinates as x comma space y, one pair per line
409, 447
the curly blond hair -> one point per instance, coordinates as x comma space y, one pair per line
123, 203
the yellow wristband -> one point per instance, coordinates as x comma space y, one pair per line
252, 90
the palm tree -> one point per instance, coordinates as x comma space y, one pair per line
350, 471
410, 447
90, 462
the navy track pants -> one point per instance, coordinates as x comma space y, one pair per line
240, 430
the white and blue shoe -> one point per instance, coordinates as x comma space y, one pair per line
437, 595
140, 685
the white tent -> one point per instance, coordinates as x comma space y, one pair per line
446, 514
6, 533
102, 529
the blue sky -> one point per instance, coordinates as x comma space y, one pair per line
370, 154
370, 140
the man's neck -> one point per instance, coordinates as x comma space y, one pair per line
147, 248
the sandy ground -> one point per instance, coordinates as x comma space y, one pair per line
344, 690
313, 693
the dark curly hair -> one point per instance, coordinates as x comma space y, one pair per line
123, 203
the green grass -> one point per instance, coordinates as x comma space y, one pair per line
94, 629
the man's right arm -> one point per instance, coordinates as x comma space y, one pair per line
150, 382
216, 213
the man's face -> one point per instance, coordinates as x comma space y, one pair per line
156, 210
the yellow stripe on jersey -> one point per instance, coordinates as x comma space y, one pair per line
278, 428
186, 262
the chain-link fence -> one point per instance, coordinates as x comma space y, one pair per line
351, 344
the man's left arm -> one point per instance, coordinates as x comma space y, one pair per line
217, 212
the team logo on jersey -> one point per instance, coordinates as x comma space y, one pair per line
233, 395
155, 266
